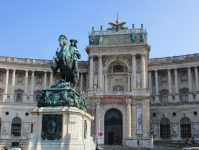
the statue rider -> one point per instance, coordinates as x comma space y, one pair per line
74, 55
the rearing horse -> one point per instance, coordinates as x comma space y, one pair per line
66, 60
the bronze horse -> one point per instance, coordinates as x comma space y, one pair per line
66, 60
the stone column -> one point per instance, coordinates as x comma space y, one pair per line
81, 83
100, 73
150, 84
32, 87
97, 119
196, 80
128, 120
105, 83
190, 84
13, 86
176, 86
170, 86
26, 86
133, 120
91, 73
5, 94
45, 78
133, 80
156, 87
143, 71
51, 78
129, 82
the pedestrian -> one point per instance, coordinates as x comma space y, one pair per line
114, 148
138, 143
97, 147
122, 143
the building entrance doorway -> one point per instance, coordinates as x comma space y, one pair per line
113, 127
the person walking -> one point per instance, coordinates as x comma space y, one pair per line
114, 148
138, 142
97, 147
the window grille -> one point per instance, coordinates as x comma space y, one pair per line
165, 127
184, 77
118, 68
38, 97
16, 127
39, 80
18, 99
20, 79
164, 98
1, 77
185, 126
164, 79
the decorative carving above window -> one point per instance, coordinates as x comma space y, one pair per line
164, 95
118, 88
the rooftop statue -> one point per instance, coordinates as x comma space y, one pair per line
117, 25
66, 60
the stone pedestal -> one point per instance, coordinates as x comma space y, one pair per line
74, 126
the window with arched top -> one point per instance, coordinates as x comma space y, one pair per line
118, 68
16, 127
165, 128
185, 126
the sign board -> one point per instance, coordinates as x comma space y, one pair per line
100, 134
113, 100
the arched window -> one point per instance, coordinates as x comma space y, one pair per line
185, 125
118, 68
16, 127
165, 127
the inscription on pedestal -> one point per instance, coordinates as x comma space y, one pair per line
51, 126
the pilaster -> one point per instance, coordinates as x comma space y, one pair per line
32, 87
13, 86
190, 85
6, 86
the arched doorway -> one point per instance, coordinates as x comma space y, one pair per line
113, 127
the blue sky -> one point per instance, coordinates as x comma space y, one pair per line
30, 28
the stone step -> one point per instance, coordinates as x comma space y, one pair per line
119, 147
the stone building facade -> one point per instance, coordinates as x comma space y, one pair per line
128, 93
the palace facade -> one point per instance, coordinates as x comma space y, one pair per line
128, 93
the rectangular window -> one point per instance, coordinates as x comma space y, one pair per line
1, 77
57, 81
20, 79
18, 97
39, 80
15, 143
184, 77
164, 98
38, 97
184, 97
164, 79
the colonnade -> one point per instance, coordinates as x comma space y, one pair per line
176, 93
26, 94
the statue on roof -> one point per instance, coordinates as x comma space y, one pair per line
117, 25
